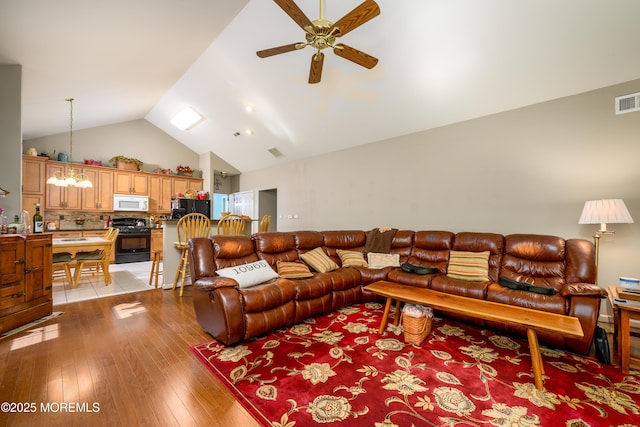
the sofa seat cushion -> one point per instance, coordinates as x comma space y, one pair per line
551, 303
313, 287
465, 288
370, 275
404, 278
345, 278
267, 296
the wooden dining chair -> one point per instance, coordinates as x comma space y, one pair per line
61, 267
90, 263
264, 223
232, 224
189, 226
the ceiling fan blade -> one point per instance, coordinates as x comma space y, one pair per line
355, 55
364, 12
315, 72
294, 12
277, 50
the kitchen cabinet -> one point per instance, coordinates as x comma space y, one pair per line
33, 174
100, 196
183, 183
33, 183
62, 198
25, 279
160, 192
126, 182
66, 234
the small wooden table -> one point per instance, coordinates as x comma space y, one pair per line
531, 319
624, 312
74, 245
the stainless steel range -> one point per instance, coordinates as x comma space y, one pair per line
134, 240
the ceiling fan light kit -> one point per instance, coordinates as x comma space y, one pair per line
322, 34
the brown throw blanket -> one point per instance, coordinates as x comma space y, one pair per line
379, 240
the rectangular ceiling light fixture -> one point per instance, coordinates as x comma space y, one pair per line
187, 119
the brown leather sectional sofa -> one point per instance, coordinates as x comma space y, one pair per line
231, 314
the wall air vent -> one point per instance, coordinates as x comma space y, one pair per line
275, 152
628, 103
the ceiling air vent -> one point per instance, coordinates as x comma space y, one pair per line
628, 103
275, 152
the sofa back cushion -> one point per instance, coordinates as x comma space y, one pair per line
232, 250
275, 246
580, 261
351, 240
480, 242
431, 249
307, 240
535, 259
401, 244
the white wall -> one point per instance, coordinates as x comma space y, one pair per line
523, 171
137, 138
10, 138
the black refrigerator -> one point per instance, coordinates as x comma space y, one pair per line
181, 207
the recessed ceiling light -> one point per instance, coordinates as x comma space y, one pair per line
187, 118
249, 108
249, 132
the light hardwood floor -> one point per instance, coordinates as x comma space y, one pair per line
129, 354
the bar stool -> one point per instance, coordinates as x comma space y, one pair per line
189, 226
156, 257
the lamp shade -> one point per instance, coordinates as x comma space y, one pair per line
605, 211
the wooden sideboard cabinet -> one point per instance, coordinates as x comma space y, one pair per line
25, 279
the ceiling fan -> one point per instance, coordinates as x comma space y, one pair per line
322, 34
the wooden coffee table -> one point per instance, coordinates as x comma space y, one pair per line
531, 319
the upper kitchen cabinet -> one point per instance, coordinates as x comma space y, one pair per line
181, 184
33, 183
100, 196
33, 174
160, 193
59, 198
131, 183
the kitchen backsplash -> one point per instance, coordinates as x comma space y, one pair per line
65, 220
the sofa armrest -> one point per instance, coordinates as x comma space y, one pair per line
211, 283
582, 289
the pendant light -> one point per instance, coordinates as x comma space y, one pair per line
72, 178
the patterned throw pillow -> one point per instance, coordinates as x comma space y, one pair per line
250, 274
470, 266
352, 258
319, 261
377, 260
293, 270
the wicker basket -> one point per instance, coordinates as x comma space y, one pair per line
416, 329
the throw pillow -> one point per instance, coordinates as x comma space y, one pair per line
351, 258
293, 270
377, 260
319, 261
250, 274
470, 266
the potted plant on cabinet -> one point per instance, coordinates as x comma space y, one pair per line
127, 163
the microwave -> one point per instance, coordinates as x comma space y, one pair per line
127, 202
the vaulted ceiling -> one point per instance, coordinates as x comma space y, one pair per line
440, 62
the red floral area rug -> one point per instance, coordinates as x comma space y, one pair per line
337, 370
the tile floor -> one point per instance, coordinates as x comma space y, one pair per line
131, 277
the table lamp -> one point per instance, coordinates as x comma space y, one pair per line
603, 212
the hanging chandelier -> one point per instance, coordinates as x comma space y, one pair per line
71, 178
